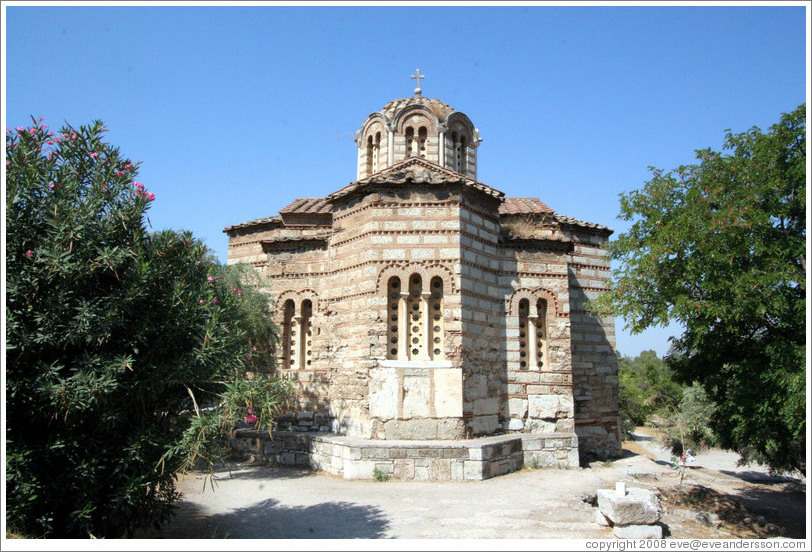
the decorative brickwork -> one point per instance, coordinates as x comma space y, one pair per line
419, 303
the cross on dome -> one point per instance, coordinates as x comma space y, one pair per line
417, 76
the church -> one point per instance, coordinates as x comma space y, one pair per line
417, 303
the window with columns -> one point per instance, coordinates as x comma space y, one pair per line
415, 319
422, 136
373, 153
410, 142
532, 334
297, 333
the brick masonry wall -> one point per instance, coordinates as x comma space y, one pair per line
351, 388
595, 379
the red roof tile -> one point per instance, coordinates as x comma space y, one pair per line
521, 205
312, 205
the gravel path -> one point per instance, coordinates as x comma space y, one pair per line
282, 503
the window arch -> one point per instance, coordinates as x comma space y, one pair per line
462, 155
297, 334
414, 318
288, 335
394, 341
541, 334
532, 334
421, 142
410, 142
306, 334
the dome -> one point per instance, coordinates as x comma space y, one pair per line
440, 109
417, 127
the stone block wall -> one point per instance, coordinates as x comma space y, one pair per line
482, 315
595, 378
459, 460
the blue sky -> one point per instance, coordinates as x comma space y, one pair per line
236, 111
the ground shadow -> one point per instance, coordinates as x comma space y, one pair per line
245, 470
785, 508
761, 477
269, 520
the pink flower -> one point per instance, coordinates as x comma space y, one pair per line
29, 253
104, 186
251, 418
40, 119
120, 173
51, 185
209, 278
73, 136
20, 129
32, 131
201, 301
150, 196
8, 162
127, 166
214, 300
239, 292
138, 185
50, 142
94, 155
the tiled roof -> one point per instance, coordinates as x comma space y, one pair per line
251, 223
575, 222
414, 170
521, 205
312, 205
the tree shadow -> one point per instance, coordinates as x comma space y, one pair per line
761, 477
783, 507
247, 470
268, 520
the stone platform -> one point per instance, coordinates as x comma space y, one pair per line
457, 460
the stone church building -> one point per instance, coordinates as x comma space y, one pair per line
418, 303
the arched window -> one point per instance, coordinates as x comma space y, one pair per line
541, 334
454, 151
288, 335
414, 306
463, 155
306, 334
410, 145
435, 333
524, 311
376, 152
422, 137
370, 155
393, 337
414, 318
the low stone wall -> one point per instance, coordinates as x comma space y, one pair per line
459, 460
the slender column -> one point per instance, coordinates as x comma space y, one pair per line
441, 152
360, 176
403, 325
426, 352
532, 339
390, 149
296, 350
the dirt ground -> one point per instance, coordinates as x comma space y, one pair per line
716, 499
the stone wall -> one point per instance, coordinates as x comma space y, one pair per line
595, 379
458, 460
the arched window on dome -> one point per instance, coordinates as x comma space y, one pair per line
370, 150
422, 137
410, 145
463, 155
376, 153
454, 151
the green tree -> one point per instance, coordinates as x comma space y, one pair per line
115, 338
719, 246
